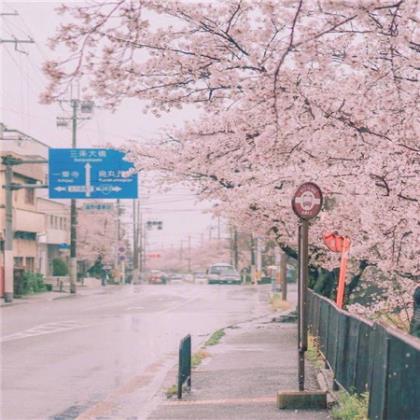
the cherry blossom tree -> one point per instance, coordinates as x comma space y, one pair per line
96, 233
288, 91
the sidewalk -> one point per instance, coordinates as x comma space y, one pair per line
54, 295
241, 377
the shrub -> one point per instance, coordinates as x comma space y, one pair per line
351, 407
28, 283
60, 267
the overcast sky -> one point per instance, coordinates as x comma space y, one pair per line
21, 83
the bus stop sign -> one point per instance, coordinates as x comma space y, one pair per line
307, 201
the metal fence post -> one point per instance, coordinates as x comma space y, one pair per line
354, 378
385, 384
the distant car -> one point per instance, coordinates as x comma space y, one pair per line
157, 277
200, 278
222, 273
176, 279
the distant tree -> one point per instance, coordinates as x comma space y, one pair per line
59, 267
97, 270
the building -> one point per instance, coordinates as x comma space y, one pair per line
40, 226
54, 241
28, 222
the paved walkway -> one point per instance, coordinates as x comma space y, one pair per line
54, 295
241, 377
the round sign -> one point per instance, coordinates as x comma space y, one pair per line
307, 201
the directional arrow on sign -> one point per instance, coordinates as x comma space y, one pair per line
87, 178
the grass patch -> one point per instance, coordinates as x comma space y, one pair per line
215, 338
351, 406
171, 391
313, 354
198, 357
277, 303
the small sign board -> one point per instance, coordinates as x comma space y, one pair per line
307, 201
94, 207
90, 173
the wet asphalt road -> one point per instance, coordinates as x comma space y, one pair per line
105, 355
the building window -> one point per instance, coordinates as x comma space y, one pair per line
29, 236
30, 264
29, 195
18, 262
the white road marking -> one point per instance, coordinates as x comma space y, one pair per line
43, 329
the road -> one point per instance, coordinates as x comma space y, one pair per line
106, 354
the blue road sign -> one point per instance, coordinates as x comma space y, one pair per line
90, 173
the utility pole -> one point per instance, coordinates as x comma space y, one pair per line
73, 209
235, 248
8, 240
141, 244
85, 107
116, 239
258, 258
136, 211
283, 274
253, 276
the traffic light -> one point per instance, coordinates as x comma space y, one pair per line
153, 223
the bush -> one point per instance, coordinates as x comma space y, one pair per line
60, 267
29, 283
351, 407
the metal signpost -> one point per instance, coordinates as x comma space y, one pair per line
90, 173
306, 203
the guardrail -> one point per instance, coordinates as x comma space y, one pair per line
366, 356
184, 365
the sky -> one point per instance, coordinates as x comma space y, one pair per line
22, 81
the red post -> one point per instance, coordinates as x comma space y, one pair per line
343, 269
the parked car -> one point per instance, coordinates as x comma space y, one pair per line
157, 277
222, 273
176, 278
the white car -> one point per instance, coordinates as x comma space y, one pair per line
222, 273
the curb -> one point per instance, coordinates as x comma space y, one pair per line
325, 380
